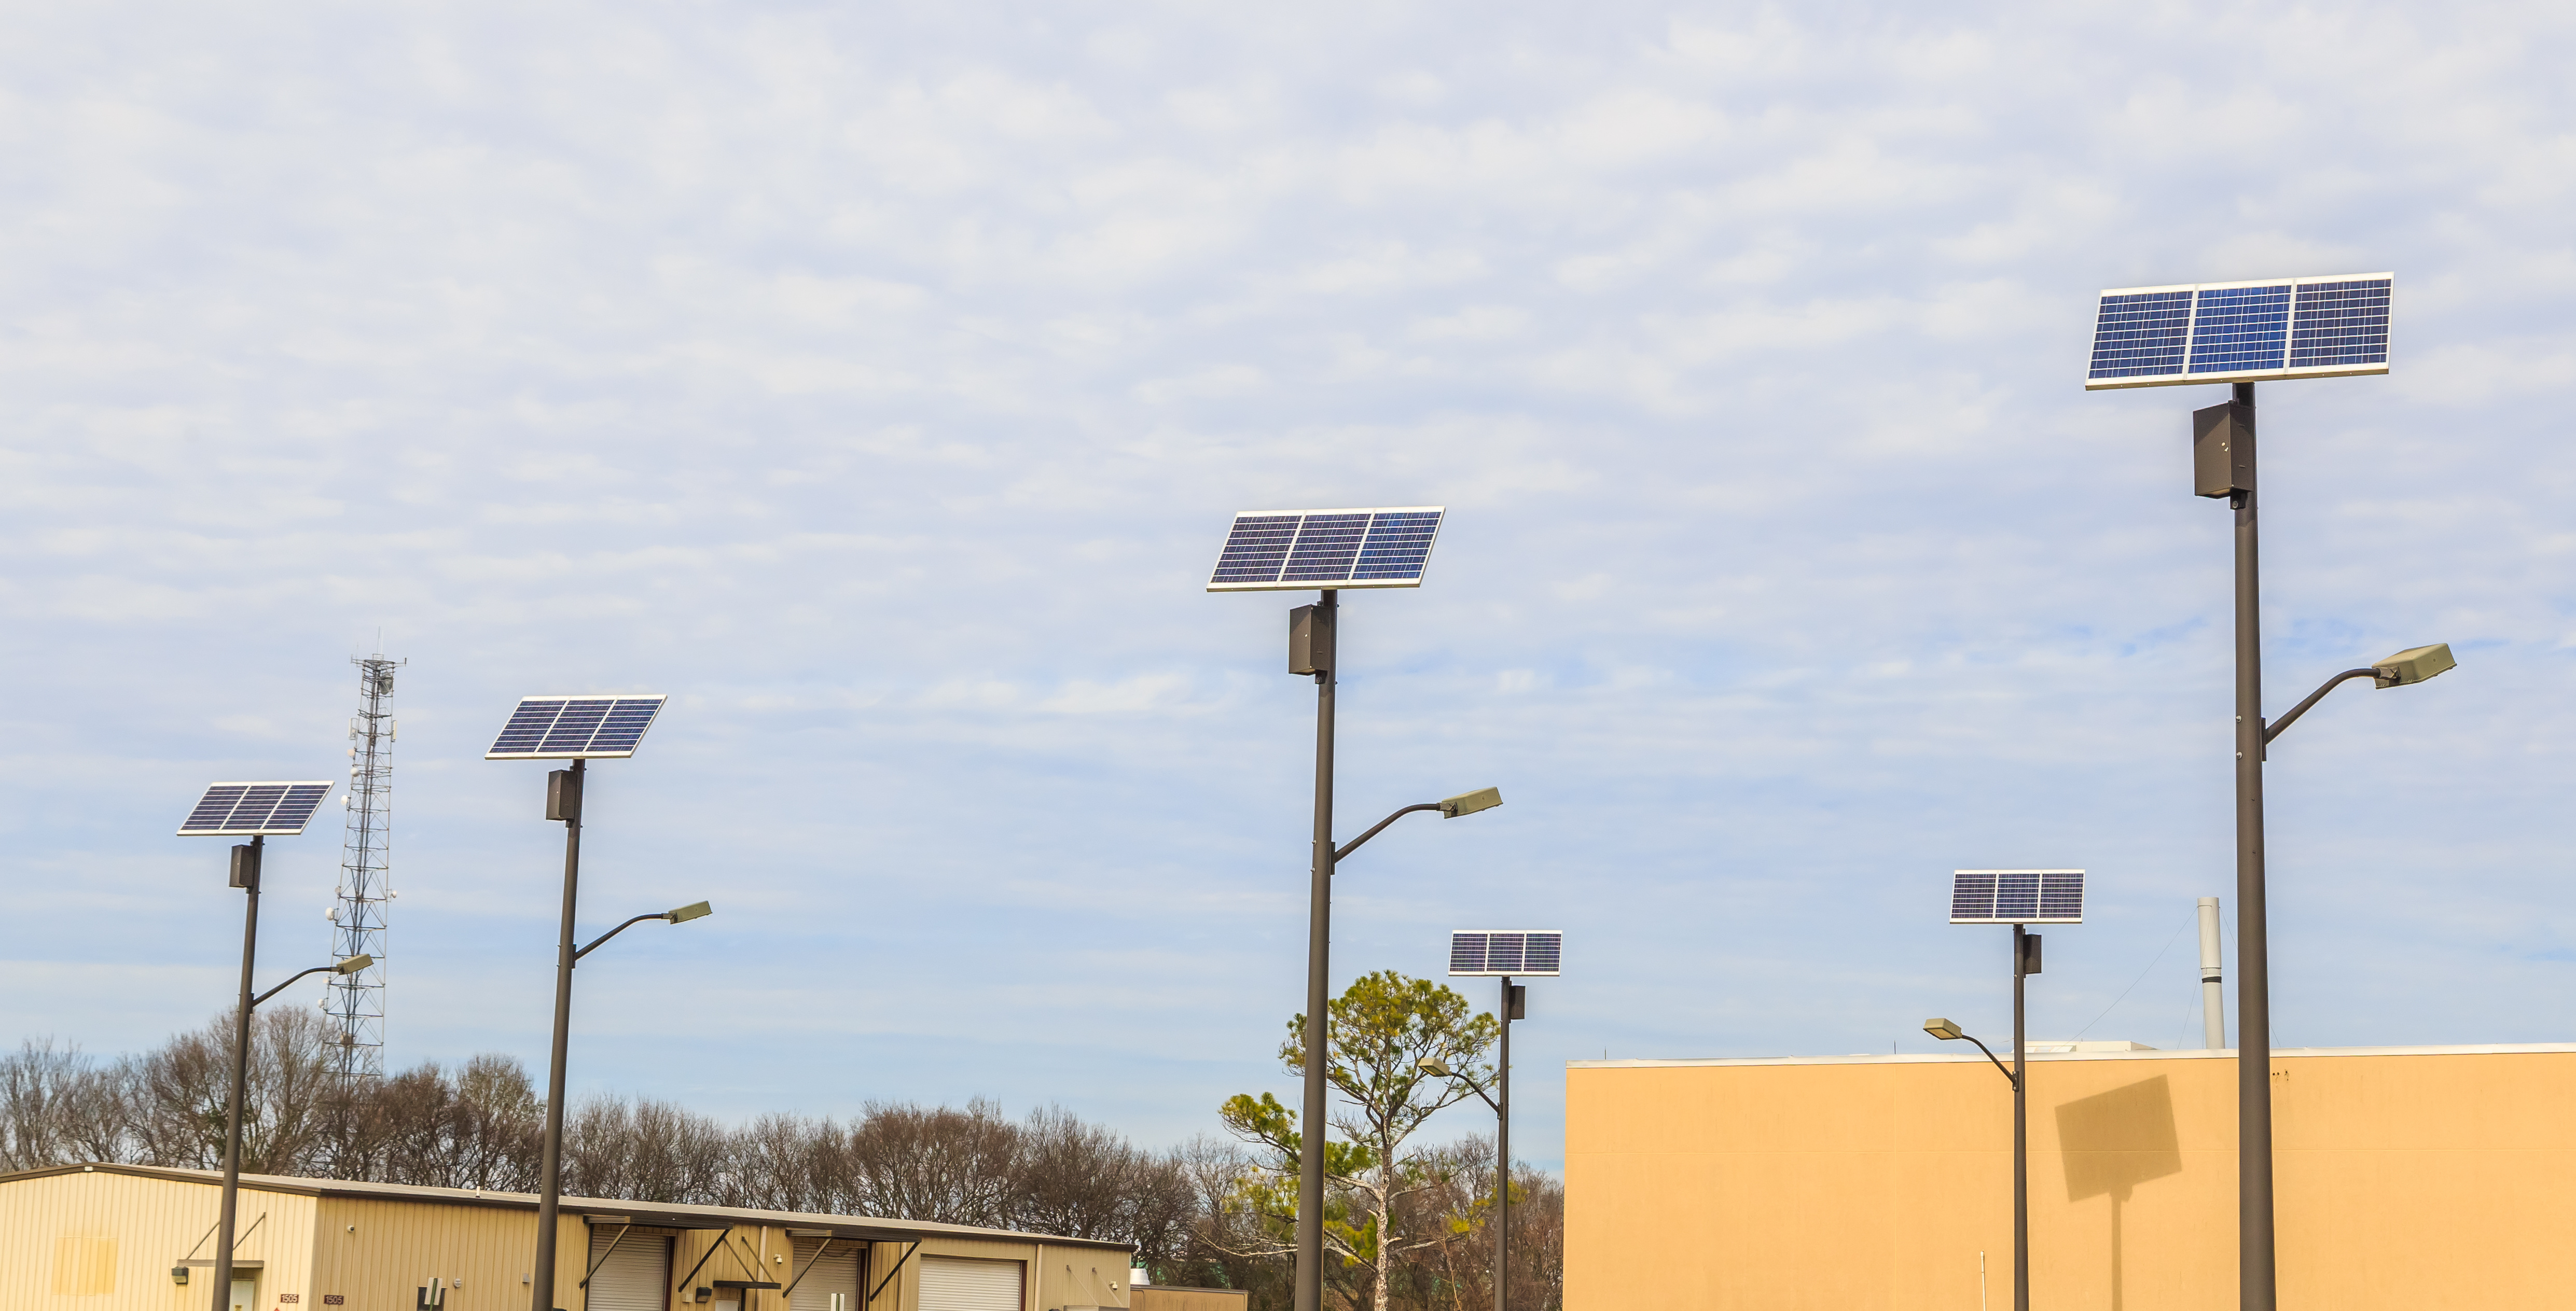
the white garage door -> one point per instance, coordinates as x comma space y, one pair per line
830, 1284
635, 1277
951, 1283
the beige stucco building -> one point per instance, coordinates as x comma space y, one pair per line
121, 1238
2406, 1178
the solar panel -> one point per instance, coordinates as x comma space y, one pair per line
1298, 550
1485, 953
2323, 327
575, 727
2017, 896
245, 809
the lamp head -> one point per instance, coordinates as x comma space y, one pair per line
354, 964
1468, 803
694, 910
1943, 1030
1432, 1065
2412, 665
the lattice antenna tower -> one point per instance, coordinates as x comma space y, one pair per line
356, 1002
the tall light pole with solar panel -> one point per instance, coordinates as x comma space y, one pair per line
1330, 551
2018, 897
579, 729
2241, 333
258, 811
1499, 954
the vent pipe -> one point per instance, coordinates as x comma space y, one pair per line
2213, 1003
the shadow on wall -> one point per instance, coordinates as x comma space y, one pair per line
2115, 1141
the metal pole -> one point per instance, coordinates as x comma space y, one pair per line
550, 1166
1503, 1163
241, 1076
2021, 1135
2213, 997
1319, 932
2254, 1272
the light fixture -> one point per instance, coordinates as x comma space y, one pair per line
1468, 803
354, 964
179, 1275
1943, 1030
2413, 665
694, 910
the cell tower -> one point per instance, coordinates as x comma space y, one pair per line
356, 1002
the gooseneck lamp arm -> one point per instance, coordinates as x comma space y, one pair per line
2273, 729
1354, 844
594, 943
680, 916
1990, 1055
340, 968
1444, 1072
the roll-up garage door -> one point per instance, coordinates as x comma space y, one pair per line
951, 1283
634, 1277
829, 1284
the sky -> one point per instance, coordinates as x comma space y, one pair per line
878, 382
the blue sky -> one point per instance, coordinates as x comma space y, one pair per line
878, 381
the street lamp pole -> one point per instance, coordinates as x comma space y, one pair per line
2024, 944
1321, 649
245, 875
2256, 1285
1509, 1011
563, 802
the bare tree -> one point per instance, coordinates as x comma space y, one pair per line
943, 1164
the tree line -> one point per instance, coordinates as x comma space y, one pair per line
1205, 1213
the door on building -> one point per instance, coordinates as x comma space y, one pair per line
633, 1274
245, 1295
830, 1283
953, 1283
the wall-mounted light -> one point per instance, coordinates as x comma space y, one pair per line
179, 1275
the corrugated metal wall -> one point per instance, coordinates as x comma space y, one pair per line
377, 1255
106, 1242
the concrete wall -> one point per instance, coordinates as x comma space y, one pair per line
2405, 1179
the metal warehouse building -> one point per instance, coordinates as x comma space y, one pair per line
137, 1238
2407, 1178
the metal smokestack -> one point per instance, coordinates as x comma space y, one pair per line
2213, 1004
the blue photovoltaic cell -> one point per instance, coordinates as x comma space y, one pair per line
2140, 335
2017, 896
249, 808
2061, 894
1505, 951
1256, 548
564, 728
2341, 323
1972, 895
1327, 548
1398, 546
2234, 329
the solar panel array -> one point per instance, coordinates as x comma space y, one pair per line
2325, 327
573, 727
244, 809
2017, 896
1491, 952
1294, 550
